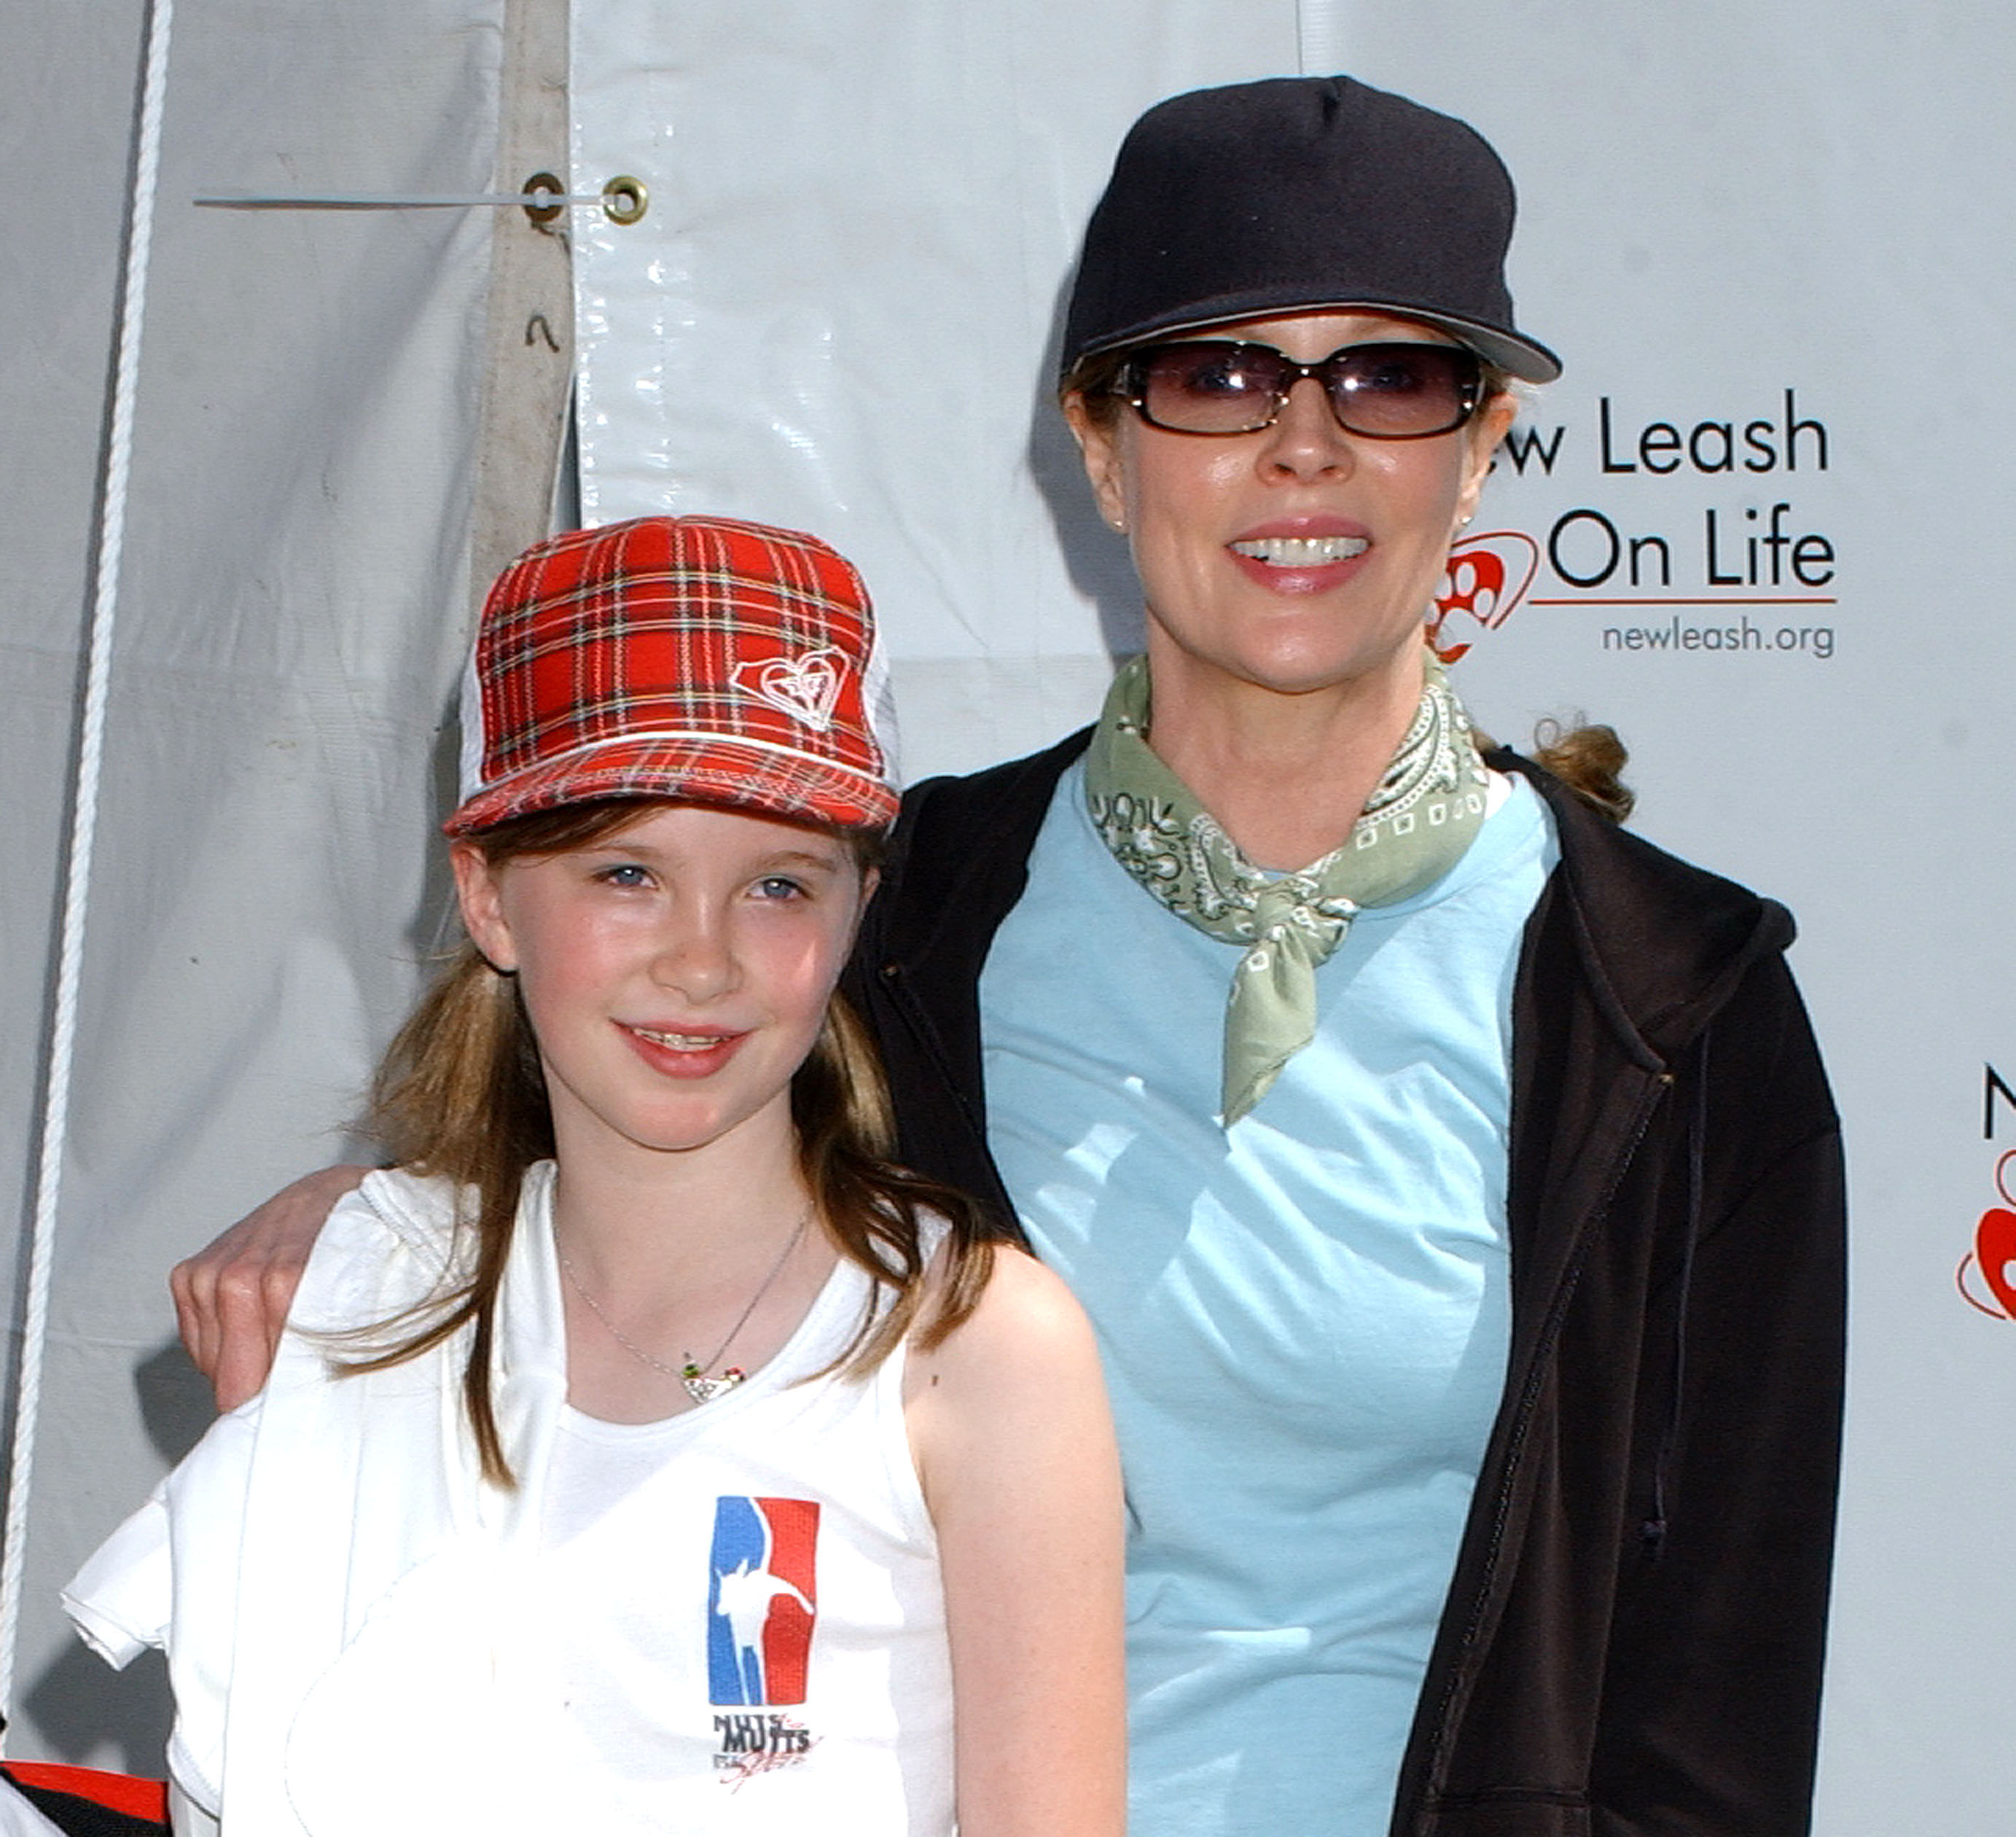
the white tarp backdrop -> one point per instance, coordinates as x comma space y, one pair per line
289, 631
1755, 526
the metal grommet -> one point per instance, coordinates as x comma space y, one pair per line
544, 181
624, 199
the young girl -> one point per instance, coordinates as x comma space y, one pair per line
647, 1454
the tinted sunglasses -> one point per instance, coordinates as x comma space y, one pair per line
1387, 392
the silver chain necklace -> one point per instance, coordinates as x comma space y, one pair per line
692, 1372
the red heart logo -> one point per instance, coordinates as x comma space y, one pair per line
1475, 583
1994, 1252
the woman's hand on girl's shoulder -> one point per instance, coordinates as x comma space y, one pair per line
1009, 1423
231, 1298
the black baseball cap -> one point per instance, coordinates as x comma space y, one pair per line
1296, 194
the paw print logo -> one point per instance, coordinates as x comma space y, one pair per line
1986, 1276
1487, 577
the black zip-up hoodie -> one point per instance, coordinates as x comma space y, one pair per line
1632, 1643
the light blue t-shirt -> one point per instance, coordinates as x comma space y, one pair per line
1304, 1319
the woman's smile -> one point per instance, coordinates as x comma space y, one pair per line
1301, 555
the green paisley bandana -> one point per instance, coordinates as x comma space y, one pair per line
1415, 827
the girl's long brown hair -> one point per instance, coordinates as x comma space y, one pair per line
460, 1095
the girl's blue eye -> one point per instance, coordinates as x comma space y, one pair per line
623, 874
777, 886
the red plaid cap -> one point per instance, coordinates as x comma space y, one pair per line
695, 657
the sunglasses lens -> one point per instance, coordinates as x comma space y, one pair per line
1397, 391
1402, 392
1208, 388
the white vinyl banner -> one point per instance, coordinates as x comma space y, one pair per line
1757, 527
837, 312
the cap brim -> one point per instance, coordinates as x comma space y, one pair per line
735, 774
1513, 352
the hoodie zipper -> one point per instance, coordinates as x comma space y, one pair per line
1655, 1092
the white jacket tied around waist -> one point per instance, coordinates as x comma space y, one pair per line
364, 1637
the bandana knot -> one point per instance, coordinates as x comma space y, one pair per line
1415, 827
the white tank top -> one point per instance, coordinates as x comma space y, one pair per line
745, 1604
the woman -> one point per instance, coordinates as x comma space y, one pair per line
1469, 1280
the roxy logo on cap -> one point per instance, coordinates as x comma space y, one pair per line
806, 688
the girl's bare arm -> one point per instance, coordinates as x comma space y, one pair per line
1014, 1444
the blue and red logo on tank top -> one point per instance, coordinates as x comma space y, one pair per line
762, 1599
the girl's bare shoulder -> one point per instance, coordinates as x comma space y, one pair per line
1015, 1383
1025, 1311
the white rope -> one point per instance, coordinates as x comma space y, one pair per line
83, 821
1321, 30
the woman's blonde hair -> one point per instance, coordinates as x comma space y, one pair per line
460, 1095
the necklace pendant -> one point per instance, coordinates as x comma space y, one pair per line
703, 1389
